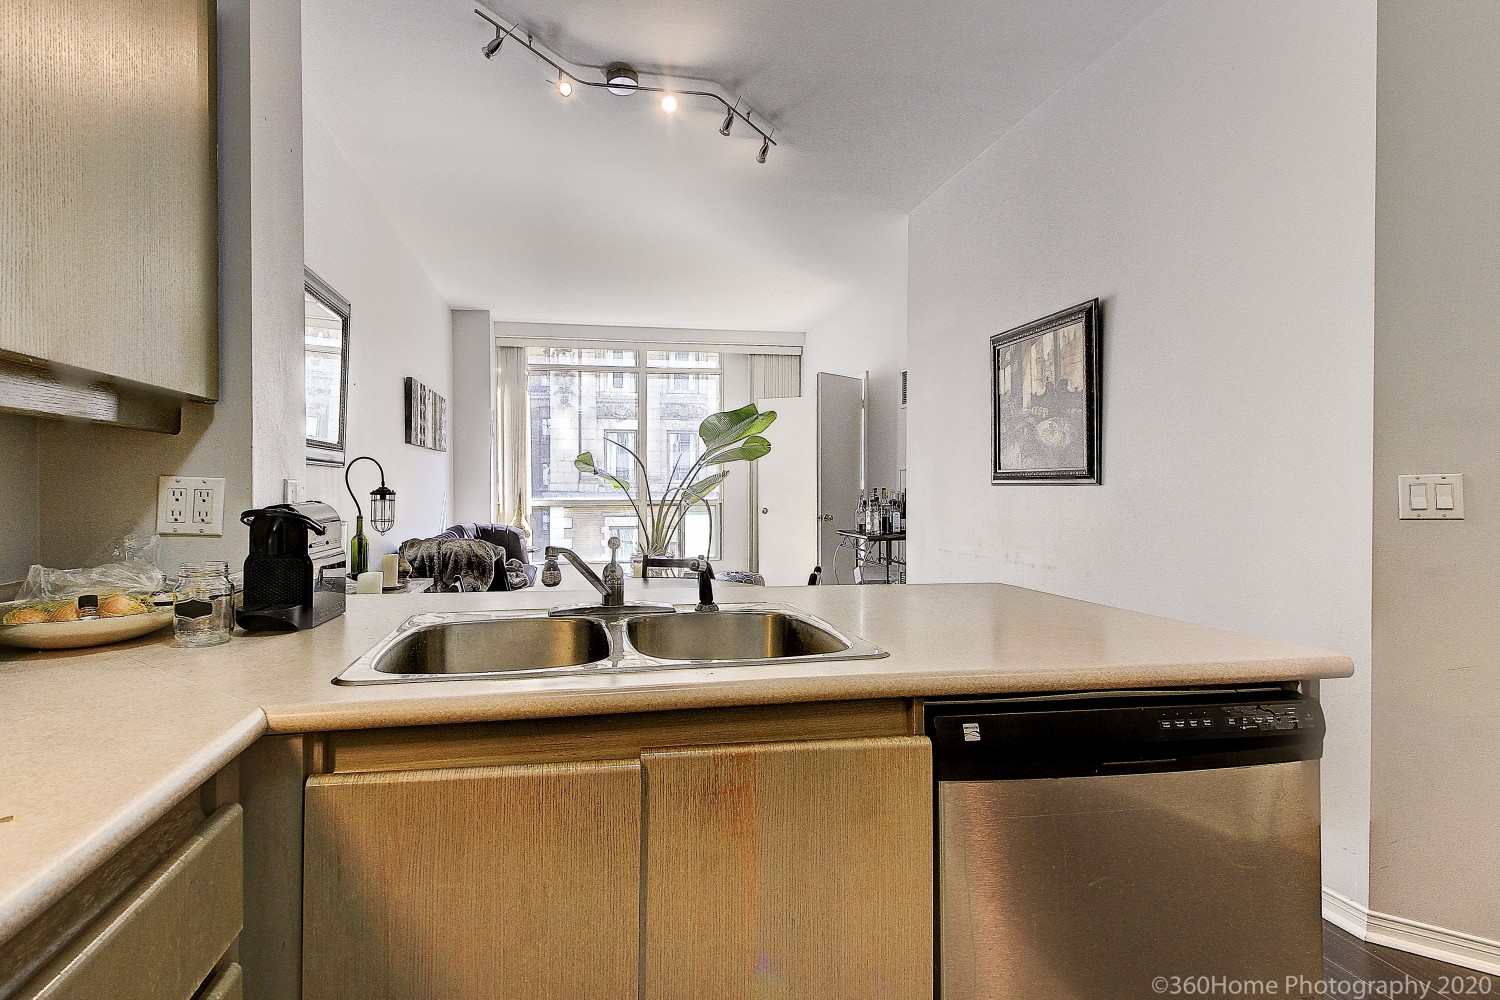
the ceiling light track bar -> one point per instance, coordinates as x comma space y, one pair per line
732, 110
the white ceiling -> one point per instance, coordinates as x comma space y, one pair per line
601, 209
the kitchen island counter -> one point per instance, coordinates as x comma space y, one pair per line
108, 740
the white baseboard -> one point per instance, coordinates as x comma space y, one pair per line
1415, 937
1344, 912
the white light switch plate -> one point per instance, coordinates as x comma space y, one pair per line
189, 506
1430, 498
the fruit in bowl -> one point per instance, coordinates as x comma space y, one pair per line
120, 605
76, 622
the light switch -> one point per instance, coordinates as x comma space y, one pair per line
1431, 498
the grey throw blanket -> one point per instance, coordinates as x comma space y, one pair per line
448, 560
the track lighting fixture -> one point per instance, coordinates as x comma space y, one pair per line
622, 79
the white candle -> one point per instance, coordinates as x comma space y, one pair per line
369, 583
390, 568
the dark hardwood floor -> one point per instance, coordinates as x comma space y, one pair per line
1348, 960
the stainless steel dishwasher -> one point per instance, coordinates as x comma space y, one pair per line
1131, 845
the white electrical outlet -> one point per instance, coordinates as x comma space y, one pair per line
189, 506
177, 505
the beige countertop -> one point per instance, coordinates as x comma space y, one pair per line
98, 744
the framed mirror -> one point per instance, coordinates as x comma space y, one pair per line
326, 362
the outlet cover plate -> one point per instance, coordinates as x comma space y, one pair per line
1418, 497
188, 505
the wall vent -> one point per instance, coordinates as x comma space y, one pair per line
903, 388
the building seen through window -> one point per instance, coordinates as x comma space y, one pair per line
604, 402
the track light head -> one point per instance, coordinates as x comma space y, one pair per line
765, 147
621, 79
564, 86
669, 104
728, 124
493, 45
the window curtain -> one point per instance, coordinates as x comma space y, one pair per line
775, 376
514, 437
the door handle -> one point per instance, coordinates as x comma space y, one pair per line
765, 510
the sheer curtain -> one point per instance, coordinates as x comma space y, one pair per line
513, 436
775, 376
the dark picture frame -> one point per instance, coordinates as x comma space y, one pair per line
426, 416
1044, 396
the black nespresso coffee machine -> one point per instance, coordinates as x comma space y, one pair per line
294, 575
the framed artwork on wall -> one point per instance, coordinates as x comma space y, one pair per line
426, 417
1045, 398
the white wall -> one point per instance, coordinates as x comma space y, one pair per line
20, 528
1211, 179
476, 456
1435, 857
99, 483
867, 334
399, 326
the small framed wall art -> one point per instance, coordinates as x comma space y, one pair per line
426, 417
1045, 398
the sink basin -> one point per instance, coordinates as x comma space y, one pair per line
497, 646
731, 635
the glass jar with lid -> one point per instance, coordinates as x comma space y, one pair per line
203, 613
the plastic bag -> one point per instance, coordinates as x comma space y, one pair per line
133, 572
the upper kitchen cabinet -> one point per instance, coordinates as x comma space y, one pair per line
108, 201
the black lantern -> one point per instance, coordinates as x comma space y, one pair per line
382, 508
382, 516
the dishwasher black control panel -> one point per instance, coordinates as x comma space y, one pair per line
1236, 720
997, 738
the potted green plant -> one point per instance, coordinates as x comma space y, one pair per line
731, 436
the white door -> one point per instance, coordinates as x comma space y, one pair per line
841, 444
786, 494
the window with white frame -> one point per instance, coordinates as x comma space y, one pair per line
613, 402
619, 453
682, 448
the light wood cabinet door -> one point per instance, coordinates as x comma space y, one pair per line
164, 937
108, 189
789, 870
486, 883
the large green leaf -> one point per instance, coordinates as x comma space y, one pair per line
719, 430
585, 464
703, 487
749, 450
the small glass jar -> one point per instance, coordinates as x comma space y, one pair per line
203, 614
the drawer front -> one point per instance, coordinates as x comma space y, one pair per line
227, 985
164, 937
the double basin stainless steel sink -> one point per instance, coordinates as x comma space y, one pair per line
510, 644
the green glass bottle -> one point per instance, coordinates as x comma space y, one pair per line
359, 549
